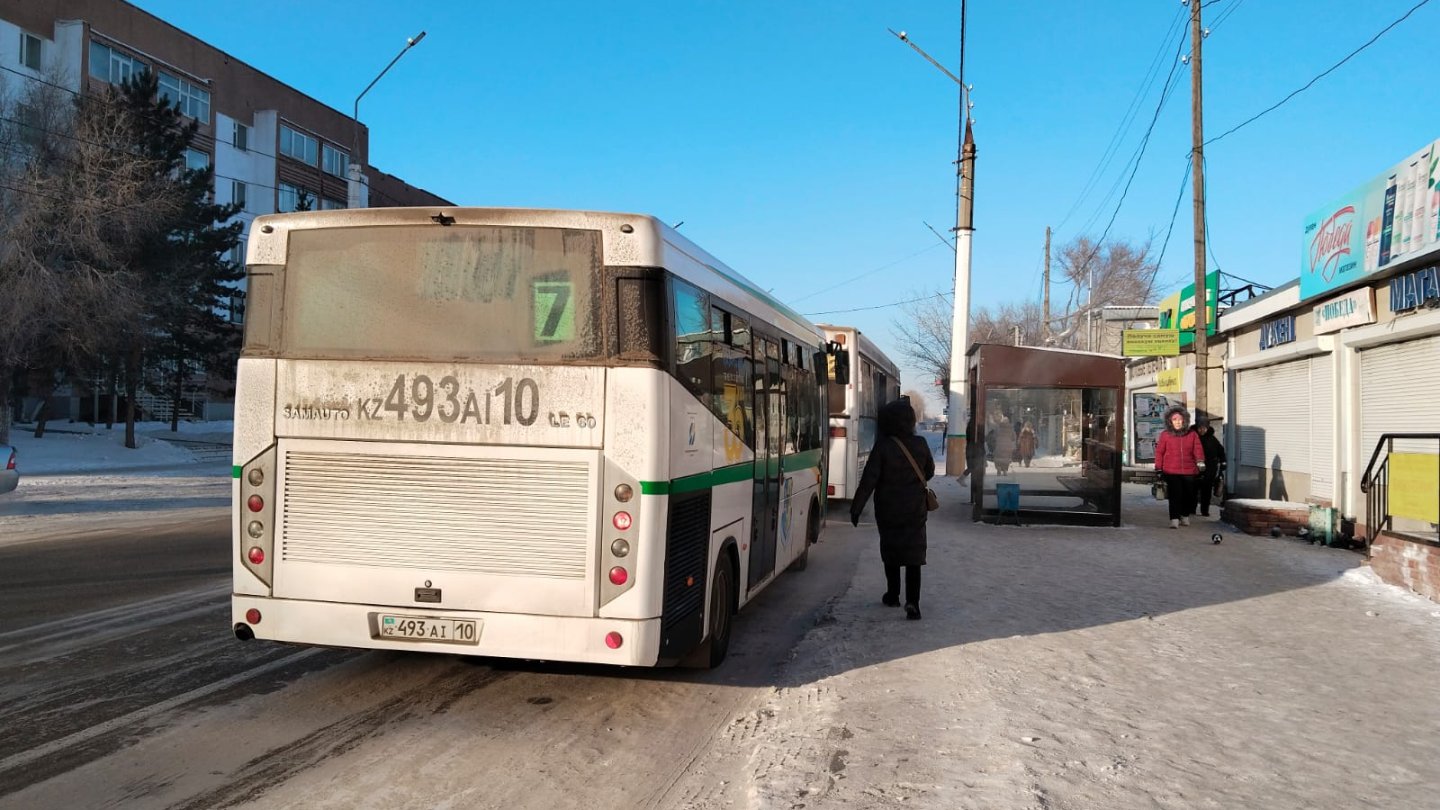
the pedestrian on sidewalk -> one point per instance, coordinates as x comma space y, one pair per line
1179, 457
1214, 464
900, 508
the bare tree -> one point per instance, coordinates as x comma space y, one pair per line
917, 402
77, 197
923, 335
1115, 273
1122, 274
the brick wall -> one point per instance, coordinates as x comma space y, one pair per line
1408, 564
1261, 519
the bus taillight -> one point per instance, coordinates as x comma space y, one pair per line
622, 520
619, 576
252, 616
837, 432
255, 503
257, 555
613, 640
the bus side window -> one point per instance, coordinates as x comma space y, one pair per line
692, 340
638, 305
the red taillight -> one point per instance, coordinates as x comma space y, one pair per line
256, 503
622, 520
10, 465
257, 555
837, 432
613, 640
829, 489
252, 616
619, 576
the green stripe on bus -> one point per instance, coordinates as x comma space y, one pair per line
235, 471
802, 461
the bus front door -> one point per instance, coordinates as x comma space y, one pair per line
766, 508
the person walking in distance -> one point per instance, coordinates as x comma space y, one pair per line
900, 506
1179, 457
1214, 464
1026, 444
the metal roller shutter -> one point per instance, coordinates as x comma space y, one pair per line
1399, 393
1322, 428
1274, 416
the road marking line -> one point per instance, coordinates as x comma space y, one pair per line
128, 611
26, 757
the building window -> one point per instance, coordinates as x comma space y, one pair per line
195, 160
110, 65
238, 194
294, 198
336, 161
298, 145
241, 140
236, 307
190, 99
30, 50
327, 204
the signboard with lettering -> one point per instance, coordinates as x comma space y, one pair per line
1355, 308
1276, 332
1150, 342
1418, 289
1178, 310
1170, 381
1394, 217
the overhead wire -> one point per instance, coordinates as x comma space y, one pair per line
879, 306
1126, 120
1257, 116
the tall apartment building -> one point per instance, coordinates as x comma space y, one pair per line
270, 144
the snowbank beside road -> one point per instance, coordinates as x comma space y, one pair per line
79, 478
79, 448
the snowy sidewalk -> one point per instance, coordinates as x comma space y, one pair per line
79, 478
1137, 667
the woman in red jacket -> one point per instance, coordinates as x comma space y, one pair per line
1179, 457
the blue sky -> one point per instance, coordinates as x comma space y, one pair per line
804, 145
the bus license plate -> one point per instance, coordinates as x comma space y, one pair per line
428, 628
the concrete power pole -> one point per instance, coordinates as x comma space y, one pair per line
1045, 318
959, 417
1197, 139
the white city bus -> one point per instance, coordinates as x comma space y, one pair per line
873, 381
536, 434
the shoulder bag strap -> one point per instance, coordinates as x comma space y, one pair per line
911, 459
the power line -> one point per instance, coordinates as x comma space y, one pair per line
1322, 75
1127, 119
879, 306
1184, 182
840, 284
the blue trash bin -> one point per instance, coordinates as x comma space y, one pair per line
1007, 496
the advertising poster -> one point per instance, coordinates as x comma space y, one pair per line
1177, 311
1149, 415
1392, 218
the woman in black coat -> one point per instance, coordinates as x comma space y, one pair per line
899, 501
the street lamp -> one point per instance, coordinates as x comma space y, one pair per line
353, 174
958, 416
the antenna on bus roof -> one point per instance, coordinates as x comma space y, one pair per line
677, 225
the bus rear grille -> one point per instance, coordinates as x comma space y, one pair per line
493, 516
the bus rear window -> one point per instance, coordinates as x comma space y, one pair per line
505, 294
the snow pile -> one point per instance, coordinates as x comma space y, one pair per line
80, 447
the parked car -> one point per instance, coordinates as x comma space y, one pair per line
9, 472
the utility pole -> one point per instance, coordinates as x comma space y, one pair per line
1045, 322
958, 409
1202, 296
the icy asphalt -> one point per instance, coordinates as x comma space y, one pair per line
1054, 667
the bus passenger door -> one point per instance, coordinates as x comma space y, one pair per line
766, 506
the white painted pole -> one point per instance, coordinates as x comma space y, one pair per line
958, 418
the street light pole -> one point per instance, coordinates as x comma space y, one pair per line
958, 411
353, 173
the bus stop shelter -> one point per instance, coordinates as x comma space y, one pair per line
1046, 435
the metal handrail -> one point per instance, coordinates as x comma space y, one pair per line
1375, 484
1384, 438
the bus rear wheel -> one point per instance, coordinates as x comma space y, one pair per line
720, 625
